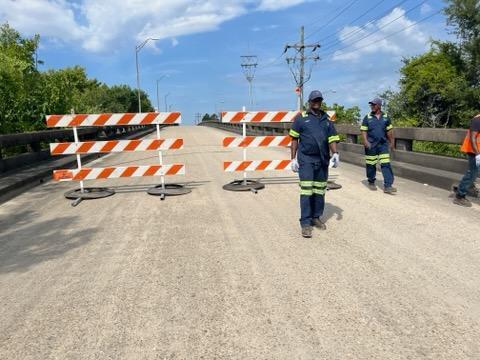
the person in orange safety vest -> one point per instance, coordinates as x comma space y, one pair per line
470, 146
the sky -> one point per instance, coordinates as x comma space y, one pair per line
196, 60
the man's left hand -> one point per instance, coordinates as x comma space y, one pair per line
334, 160
477, 160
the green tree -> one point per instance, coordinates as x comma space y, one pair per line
464, 17
346, 115
432, 92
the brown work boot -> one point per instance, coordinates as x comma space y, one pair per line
372, 186
462, 201
319, 224
307, 231
390, 190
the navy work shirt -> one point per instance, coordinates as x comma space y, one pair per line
376, 128
315, 133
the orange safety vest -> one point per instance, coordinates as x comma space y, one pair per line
467, 146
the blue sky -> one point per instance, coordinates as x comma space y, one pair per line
201, 42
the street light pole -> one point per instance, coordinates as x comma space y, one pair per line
166, 95
137, 50
158, 96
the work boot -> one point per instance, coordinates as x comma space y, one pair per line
372, 186
390, 190
319, 224
307, 231
462, 201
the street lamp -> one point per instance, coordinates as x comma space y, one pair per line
158, 97
137, 49
166, 95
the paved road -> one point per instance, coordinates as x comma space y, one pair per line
220, 275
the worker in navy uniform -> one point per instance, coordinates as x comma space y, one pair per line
314, 138
377, 136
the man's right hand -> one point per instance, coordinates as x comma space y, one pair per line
477, 160
367, 145
294, 165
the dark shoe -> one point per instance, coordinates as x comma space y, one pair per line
462, 201
372, 186
319, 224
389, 190
307, 231
471, 191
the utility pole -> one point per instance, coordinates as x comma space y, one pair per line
249, 65
197, 118
297, 63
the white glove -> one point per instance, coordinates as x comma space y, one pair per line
334, 160
294, 165
477, 160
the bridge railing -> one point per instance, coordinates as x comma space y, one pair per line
17, 150
433, 169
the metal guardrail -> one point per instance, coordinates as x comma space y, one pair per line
438, 170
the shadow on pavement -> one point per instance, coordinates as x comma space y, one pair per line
331, 211
25, 241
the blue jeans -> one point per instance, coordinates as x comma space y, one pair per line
374, 155
469, 177
313, 185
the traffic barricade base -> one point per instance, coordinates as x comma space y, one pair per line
88, 194
244, 185
168, 190
332, 185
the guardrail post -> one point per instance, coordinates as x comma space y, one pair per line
404, 144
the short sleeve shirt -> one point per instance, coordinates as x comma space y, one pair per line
315, 133
376, 128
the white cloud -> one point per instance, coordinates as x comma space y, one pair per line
425, 9
49, 18
383, 36
270, 5
105, 25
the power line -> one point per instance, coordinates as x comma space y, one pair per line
384, 38
342, 8
249, 65
378, 29
349, 5
354, 20
297, 64
353, 32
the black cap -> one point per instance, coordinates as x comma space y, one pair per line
315, 94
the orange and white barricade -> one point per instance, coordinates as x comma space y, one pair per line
245, 142
114, 146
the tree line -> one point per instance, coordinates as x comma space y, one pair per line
27, 94
441, 88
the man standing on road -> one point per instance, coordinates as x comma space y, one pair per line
377, 137
315, 137
471, 146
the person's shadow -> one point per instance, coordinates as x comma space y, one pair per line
331, 211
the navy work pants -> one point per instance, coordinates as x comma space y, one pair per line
469, 178
379, 154
313, 185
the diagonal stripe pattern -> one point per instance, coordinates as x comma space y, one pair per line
256, 165
88, 147
256, 141
118, 172
119, 119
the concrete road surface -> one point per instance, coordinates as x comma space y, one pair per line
223, 275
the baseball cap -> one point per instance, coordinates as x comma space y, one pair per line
376, 101
315, 94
